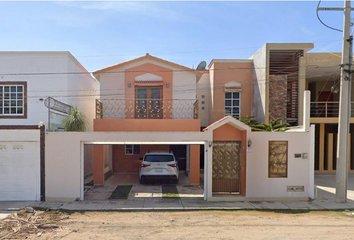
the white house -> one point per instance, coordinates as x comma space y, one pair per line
28, 78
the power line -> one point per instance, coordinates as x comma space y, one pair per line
124, 96
159, 71
319, 19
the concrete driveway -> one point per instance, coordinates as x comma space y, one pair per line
326, 186
141, 191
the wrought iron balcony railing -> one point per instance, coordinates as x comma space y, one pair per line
146, 109
327, 109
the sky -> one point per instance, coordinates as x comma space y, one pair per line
100, 34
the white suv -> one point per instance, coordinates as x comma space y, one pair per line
159, 165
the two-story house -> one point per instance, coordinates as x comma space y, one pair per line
37, 90
323, 80
146, 94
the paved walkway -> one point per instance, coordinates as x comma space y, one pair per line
146, 198
154, 204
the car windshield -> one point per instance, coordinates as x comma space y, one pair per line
159, 158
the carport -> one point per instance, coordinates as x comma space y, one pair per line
65, 157
114, 168
122, 159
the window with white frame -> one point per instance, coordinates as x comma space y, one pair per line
232, 103
12, 100
132, 149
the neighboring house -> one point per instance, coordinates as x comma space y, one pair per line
30, 82
280, 81
323, 80
27, 79
226, 89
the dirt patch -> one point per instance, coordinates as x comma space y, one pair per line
206, 225
30, 223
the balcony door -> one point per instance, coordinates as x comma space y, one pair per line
148, 102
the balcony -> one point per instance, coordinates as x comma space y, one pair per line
327, 109
146, 109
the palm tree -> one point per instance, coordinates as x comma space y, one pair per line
248, 120
273, 126
75, 121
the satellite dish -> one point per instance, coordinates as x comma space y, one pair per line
202, 65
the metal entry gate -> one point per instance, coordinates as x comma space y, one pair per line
226, 167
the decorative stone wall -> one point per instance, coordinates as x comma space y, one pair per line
277, 97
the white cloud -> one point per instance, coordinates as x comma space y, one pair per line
149, 9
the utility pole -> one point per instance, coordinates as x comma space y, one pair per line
344, 102
344, 109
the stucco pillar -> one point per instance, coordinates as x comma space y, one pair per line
98, 165
307, 110
243, 162
208, 178
301, 90
194, 165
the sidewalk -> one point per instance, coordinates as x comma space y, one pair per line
185, 204
149, 200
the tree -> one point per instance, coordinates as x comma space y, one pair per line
248, 120
75, 121
273, 126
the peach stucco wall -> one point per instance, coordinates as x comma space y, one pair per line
131, 163
194, 176
130, 74
147, 125
229, 133
241, 72
98, 164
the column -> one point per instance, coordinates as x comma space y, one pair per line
98, 165
194, 176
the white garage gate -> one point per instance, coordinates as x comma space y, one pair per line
20, 165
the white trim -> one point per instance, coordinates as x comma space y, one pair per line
82, 174
312, 163
233, 122
133, 146
148, 142
148, 77
232, 106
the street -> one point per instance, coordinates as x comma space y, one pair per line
206, 225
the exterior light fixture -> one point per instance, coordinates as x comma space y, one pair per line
129, 84
210, 143
334, 89
249, 143
167, 85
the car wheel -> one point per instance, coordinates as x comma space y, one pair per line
141, 181
176, 181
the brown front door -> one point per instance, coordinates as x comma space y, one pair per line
226, 167
148, 102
